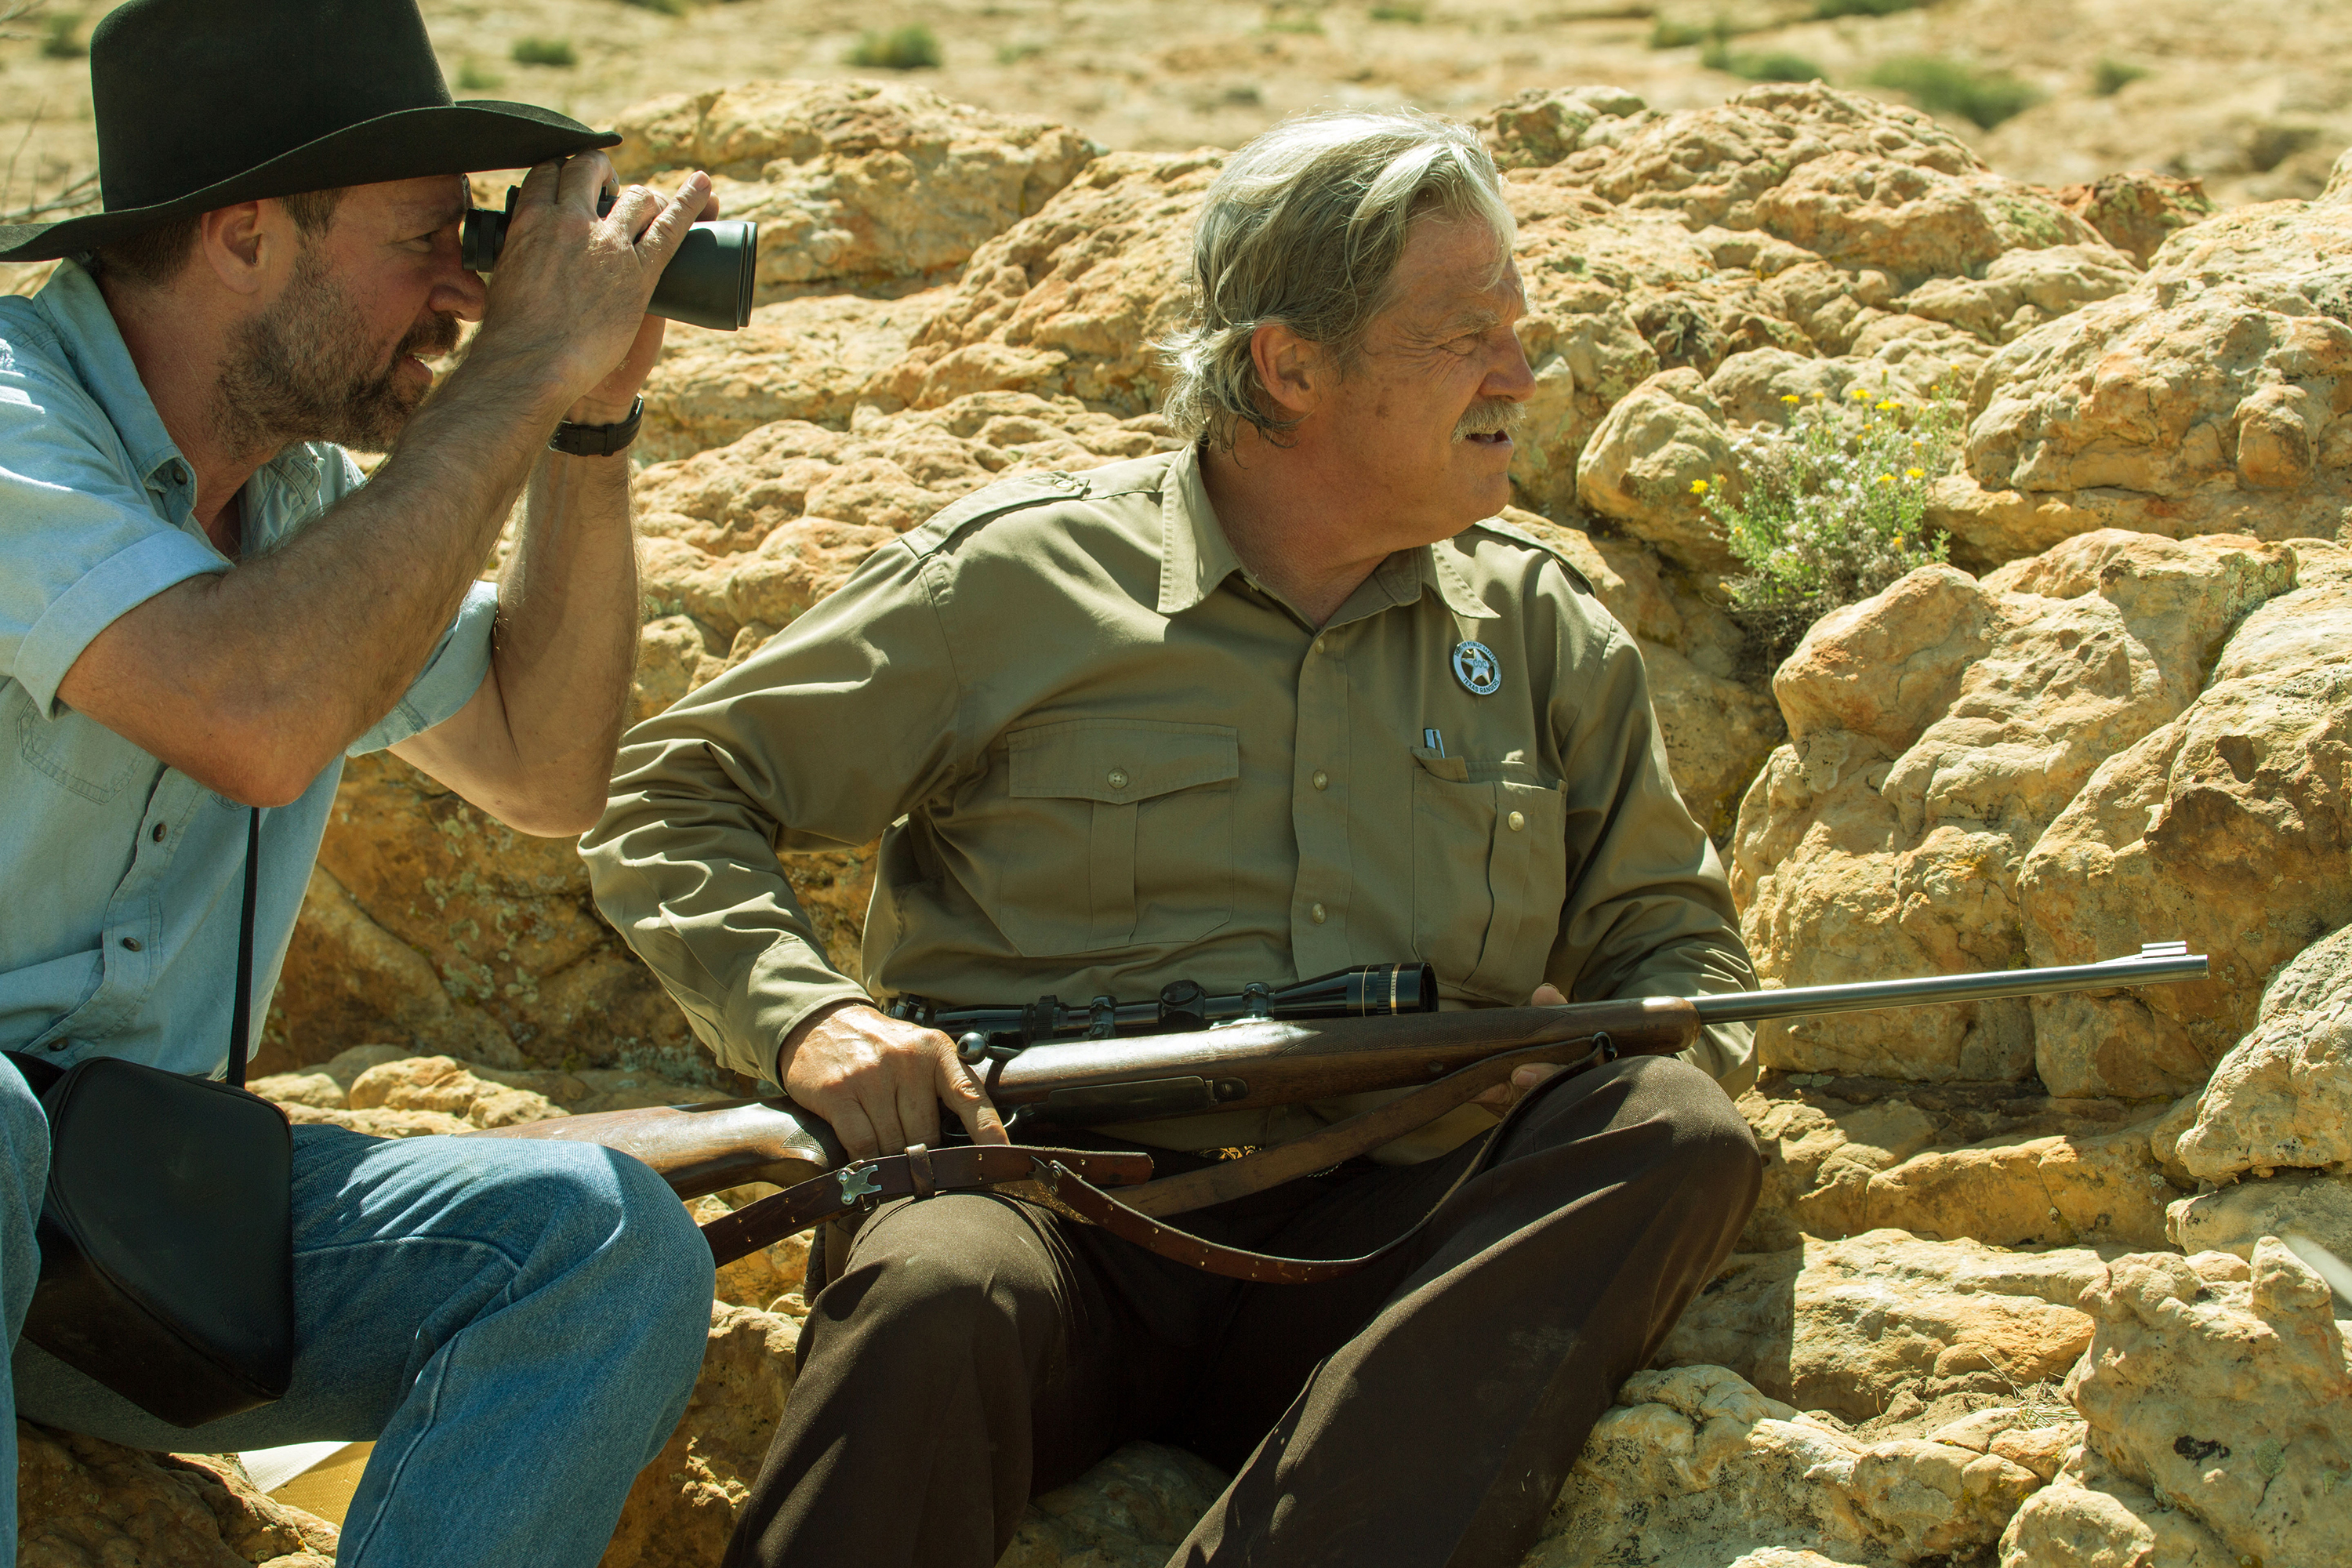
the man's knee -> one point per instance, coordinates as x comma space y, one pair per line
941, 1276
1689, 1123
562, 1208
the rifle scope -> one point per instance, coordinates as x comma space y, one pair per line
707, 284
1366, 991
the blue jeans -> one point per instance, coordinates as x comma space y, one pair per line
517, 1325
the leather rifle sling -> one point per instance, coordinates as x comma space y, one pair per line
1132, 1224
919, 1172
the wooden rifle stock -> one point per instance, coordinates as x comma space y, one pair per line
701, 1149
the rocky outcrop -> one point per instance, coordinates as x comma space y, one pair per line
854, 184
2205, 400
1938, 733
82, 1502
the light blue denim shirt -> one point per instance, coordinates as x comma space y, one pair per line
120, 879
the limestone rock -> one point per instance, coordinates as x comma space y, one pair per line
1130, 1511
2202, 401
682, 1507
1070, 302
315, 1090
1851, 1327
1694, 1465
438, 1083
854, 182
2226, 827
2235, 1218
379, 1122
2227, 1398
1661, 438
808, 358
1543, 125
2109, 1524
83, 1502
771, 1279
1979, 711
2138, 210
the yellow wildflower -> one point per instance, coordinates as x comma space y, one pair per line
1790, 397
1698, 486
1915, 473
1886, 479
1860, 394
1890, 402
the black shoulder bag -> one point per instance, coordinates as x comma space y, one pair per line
166, 1230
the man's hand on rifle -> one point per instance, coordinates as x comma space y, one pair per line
1503, 1096
878, 1081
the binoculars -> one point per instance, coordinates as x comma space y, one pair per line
707, 284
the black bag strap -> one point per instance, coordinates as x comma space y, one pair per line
240, 1022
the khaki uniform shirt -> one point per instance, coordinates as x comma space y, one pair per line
1102, 757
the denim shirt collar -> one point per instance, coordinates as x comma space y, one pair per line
282, 493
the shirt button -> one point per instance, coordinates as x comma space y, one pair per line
1321, 780
1117, 779
1519, 819
158, 834
1316, 914
131, 942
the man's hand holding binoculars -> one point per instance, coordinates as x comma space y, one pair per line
573, 284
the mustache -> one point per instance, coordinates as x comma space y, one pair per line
432, 338
1493, 416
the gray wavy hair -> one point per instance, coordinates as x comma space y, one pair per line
1304, 229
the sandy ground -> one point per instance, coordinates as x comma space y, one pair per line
2253, 96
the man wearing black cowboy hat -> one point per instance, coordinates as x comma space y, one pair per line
204, 610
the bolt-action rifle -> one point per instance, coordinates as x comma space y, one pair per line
1375, 1027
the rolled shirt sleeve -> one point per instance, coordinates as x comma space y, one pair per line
818, 741
83, 543
449, 678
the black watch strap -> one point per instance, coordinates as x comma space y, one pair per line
597, 440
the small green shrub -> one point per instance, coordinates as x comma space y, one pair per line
2110, 77
1827, 10
1014, 54
1772, 65
1290, 19
61, 39
1831, 508
1412, 12
1948, 87
1667, 34
472, 78
556, 52
899, 50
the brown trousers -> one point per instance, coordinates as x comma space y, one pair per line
976, 1351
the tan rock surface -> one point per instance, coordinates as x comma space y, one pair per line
855, 182
2225, 827
1885, 1322
2109, 1524
2203, 401
808, 358
439, 1083
1071, 301
1695, 1465
82, 1502
1979, 710
2235, 1218
2227, 1398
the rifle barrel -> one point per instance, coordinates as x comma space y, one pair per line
2158, 964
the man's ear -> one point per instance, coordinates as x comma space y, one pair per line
241, 243
1293, 370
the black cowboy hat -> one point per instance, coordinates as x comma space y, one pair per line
206, 103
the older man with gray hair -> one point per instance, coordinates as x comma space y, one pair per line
1271, 705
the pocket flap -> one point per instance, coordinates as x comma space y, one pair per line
1119, 760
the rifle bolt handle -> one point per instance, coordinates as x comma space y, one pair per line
973, 1048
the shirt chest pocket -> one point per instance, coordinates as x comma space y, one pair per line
1489, 876
77, 755
1119, 833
